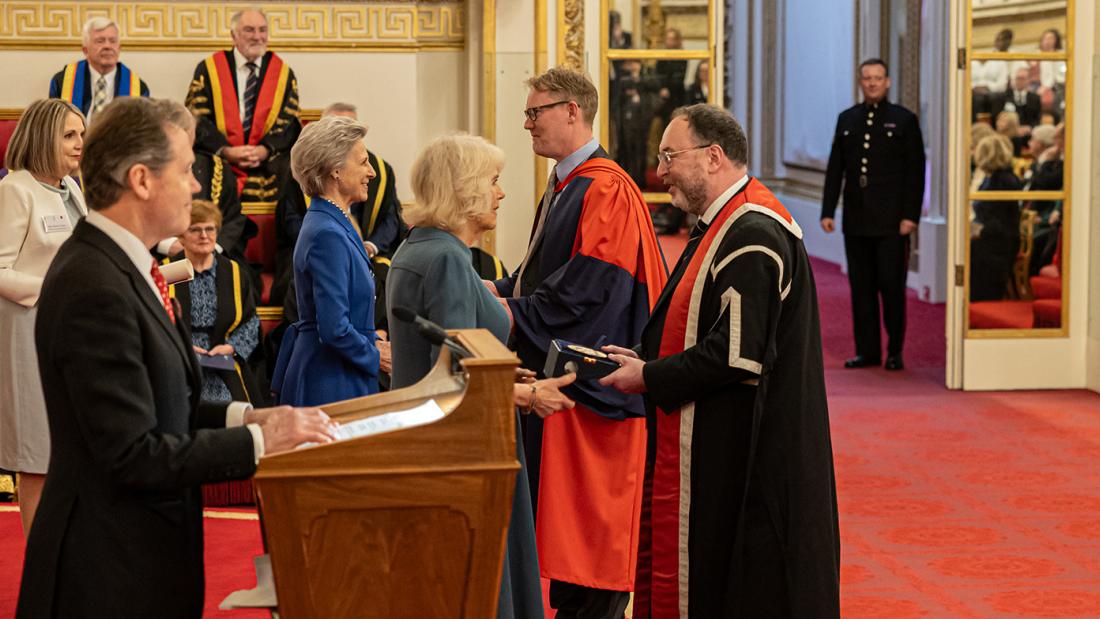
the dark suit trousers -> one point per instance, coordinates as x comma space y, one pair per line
877, 267
574, 601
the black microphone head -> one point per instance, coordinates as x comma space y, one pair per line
404, 314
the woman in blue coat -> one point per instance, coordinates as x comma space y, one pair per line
330, 353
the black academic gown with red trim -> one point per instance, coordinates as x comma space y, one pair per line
736, 408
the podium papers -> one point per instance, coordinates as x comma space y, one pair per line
388, 422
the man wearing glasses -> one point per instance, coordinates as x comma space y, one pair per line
739, 515
592, 273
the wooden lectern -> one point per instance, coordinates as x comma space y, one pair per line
410, 523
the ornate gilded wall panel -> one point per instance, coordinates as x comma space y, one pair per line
202, 25
571, 33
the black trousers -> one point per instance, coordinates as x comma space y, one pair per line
877, 268
579, 602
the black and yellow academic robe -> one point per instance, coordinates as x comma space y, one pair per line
740, 493
275, 125
219, 185
235, 307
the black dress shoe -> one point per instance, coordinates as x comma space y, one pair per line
894, 362
859, 361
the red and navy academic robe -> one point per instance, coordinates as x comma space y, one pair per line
740, 516
275, 124
591, 276
74, 84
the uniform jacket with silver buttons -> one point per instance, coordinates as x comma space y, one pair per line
878, 158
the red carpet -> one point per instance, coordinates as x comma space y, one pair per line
230, 546
952, 504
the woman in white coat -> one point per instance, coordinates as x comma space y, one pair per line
39, 205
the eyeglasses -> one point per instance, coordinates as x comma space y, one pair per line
201, 230
532, 113
666, 156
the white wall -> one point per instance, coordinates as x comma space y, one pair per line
817, 76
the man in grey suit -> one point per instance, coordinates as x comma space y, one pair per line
119, 530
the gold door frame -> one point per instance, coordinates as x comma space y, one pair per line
962, 217
606, 55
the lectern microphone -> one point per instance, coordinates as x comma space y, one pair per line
431, 331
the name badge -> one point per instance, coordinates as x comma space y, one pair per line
56, 223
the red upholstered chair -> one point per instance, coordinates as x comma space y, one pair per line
261, 248
8, 120
1001, 315
1046, 286
1048, 313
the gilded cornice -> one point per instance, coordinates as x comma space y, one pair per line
371, 25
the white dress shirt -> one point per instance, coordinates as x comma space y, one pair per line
242, 77
720, 201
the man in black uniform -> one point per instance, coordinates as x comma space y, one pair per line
878, 156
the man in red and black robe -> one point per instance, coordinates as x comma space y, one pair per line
740, 516
246, 102
592, 272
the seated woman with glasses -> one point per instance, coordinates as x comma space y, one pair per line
220, 312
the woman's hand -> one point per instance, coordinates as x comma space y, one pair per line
544, 397
385, 353
525, 376
199, 350
221, 349
508, 310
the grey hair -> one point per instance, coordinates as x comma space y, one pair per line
1044, 134
340, 106
236, 17
321, 149
96, 24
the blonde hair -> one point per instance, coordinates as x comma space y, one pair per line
452, 181
35, 146
978, 131
323, 148
573, 85
205, 210
994, 153
1010, 124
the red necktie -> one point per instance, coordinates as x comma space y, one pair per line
158, 279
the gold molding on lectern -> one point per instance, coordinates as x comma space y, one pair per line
173, 26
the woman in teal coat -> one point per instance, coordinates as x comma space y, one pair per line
330, 353
455, 183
